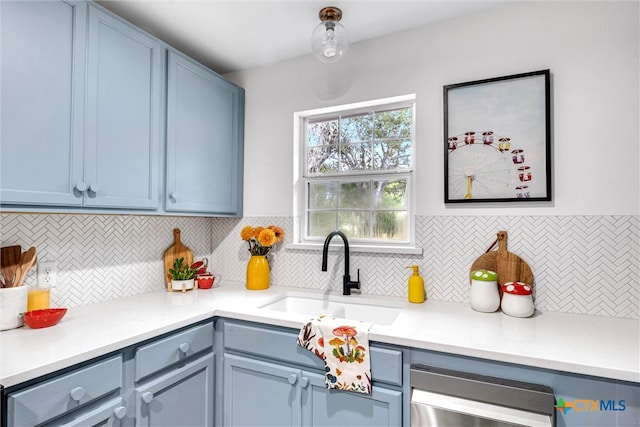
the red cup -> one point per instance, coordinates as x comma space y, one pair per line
206, 281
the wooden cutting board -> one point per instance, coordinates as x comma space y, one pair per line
510, 267
9, 263
173, 252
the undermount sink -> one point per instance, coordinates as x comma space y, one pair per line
347, 307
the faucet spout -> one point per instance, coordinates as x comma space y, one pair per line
347, 284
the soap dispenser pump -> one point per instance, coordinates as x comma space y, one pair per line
416, 286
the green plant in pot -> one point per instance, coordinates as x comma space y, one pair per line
181, 276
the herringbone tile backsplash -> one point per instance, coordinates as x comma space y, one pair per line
581, 264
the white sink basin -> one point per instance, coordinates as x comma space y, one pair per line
347, 307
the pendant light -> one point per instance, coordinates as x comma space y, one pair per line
329, 39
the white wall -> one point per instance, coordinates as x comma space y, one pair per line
591, 48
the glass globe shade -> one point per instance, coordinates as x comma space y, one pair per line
329, 41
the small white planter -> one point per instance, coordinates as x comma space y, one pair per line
182, 285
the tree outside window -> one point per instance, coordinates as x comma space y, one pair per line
357, 173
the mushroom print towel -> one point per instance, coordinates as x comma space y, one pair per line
344, 347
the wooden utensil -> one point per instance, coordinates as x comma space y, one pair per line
9, 263
510, 267
27, 259
175, 251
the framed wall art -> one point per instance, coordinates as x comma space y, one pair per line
498, 139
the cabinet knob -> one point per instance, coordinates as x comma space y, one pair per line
292, 379
304, 382
147, 397
173, 197
184, 347
94, 188
77, 393
81, 186
120, 412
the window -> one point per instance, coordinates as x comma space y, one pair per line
355, 172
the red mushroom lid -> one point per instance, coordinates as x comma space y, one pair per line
517, 288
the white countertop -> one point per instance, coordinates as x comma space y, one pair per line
590, 345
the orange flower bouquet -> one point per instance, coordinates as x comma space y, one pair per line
261, 239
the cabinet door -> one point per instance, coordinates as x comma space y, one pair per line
123, 115
181, 397
324, 407
205, 119
42, 45
258, 393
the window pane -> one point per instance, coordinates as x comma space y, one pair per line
393, 123
392, 154
390, 225
323, 195
321, 223
355, 195
322, 133
358, 171
355, 157
354, 223
356, 128
322, 160
390, 194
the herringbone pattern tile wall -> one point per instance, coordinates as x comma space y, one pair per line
581, 264
102, 257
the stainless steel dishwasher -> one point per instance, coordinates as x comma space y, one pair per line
447, 398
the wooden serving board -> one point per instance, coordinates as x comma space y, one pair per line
510, 267
173, 252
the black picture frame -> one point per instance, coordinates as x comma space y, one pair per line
497, 139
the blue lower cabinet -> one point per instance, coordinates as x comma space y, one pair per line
259, 393
90, 395
268, 393
183, 396
323, 407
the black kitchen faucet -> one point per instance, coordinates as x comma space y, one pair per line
347, 284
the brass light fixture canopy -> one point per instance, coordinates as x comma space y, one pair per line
330, 13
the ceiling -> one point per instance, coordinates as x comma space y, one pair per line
231, 35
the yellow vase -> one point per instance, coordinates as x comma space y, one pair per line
258, 273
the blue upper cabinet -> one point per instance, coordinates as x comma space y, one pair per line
42, 46
68, 142
204, 157
83, 119
124, 91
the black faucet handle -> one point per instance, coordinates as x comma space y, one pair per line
352, 286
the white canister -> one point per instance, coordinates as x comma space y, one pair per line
517, 299
13, 302
484, 295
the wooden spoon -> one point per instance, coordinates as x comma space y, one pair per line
27, 260
9, 262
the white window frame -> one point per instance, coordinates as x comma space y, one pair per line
300, 202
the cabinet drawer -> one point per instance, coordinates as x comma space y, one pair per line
280, 344
159, 354
57, 396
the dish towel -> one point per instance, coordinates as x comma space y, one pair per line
344, 346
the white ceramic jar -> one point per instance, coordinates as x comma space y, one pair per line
517, 299
13, 302
484, 295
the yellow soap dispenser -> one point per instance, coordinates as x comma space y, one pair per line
416, 286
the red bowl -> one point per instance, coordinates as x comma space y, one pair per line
44, 318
